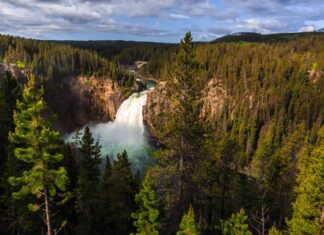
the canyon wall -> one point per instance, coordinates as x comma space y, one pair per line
214, 96
79, 100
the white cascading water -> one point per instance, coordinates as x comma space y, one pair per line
127, 132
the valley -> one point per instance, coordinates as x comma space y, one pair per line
222, 132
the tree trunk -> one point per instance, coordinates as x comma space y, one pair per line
210, 209
181, 185
47, 211
223, 193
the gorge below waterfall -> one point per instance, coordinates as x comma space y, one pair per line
126, 132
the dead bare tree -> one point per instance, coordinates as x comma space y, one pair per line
260, 219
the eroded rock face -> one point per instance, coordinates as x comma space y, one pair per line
214, 97
158, 102
99, 95
80, 100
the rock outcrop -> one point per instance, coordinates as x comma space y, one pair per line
158, 102
77, 101
214, 97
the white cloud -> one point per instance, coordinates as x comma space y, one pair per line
259, 25
308, 28
38, 17
179, 16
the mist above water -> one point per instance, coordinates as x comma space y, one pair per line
127, 132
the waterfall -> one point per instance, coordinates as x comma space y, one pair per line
130, 113
126, 132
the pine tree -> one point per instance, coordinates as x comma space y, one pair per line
147, 215
308, 209
38, 146
9, 93
88, 182
105, 202
227, 155
188, 225
274, 231
181, 132
18, 218
122, 194
236, 224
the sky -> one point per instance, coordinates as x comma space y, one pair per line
155, 20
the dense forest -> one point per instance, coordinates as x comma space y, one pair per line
55, 61
255, 167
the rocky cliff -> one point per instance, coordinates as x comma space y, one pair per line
157, 103
80, 100
214, 97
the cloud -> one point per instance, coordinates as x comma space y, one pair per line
219, 30
260, 25
307, 29
112, 26
155, 18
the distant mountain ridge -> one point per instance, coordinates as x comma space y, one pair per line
257, 37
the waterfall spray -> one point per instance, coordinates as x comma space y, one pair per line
127, 132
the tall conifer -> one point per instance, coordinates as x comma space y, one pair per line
147, 215
39, 146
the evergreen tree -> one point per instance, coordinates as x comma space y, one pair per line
122, 194
181, 132
227, 155
236, 224
9, 93
308, 209
38, 146
274, 231
19, 220
105, 202
147, 215
88, 182
188, 225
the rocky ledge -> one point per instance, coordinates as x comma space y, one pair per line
81, 99
214, 97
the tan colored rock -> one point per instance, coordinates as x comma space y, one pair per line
81, 100
214, 97
100, 95
158, 102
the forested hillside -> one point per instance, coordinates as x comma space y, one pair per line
263, 107
239, 126
55, 61
257, 37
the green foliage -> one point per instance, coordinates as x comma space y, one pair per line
182, 131
264, 103
308, 208
274, 231
88, 182
147, 215
116, 198
55, 61
20, 64
39, 147
244, 37
188, 225
9, 93
236, 224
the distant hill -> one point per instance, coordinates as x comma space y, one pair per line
257, 37
124, 52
